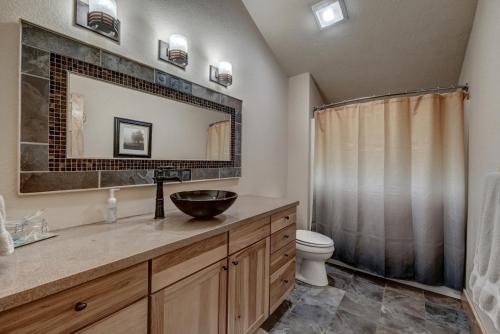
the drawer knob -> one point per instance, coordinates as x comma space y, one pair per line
287, 218
285, 281
224, 268
286, 255
235, 263
80, 306
286, 236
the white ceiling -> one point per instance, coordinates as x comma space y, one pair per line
384, 46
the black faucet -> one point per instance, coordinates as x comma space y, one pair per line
163, 174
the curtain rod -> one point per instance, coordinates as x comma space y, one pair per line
465, 88
215, 123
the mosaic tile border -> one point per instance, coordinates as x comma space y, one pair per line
46, 57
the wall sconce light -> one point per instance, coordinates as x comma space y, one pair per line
175, 51
100, 16
223, 75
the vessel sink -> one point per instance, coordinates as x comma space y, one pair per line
203, 203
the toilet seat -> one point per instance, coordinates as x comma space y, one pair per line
313, 239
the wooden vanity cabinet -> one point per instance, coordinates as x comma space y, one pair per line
225, 284
80, 306
282, 267
248, 288
194, 305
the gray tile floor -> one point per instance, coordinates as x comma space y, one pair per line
359, 303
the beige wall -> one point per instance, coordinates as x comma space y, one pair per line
481, 69
303, 95
217, 29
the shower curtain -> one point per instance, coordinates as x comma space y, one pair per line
389, 186
219, 141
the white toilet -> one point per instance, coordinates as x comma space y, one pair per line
313, 249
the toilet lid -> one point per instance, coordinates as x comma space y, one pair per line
314, 239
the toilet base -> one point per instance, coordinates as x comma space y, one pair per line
312, 272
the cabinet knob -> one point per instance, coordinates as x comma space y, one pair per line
285, 281
224, 268
287, 218
286, 236
235, 263
286, 255
80, 306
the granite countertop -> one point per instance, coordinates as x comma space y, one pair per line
83, 253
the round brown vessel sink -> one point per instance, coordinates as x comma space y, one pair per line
203, 203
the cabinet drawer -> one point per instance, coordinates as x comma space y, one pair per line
77, 307
132, 319
248, 234
282, 283
283, 219
174, 266
282, 237
282, 256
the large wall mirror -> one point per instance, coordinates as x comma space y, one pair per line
92, 119
109, 121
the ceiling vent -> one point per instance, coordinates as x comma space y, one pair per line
329, 12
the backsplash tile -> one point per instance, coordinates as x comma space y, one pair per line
48, 41
206, 93
34, 109
47, 181
185, 87
35, 61
125, 66
204, 173
227, 172
34, 157
126, 178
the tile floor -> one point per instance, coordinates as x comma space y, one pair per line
359, 303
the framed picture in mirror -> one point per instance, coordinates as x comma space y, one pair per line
132, 138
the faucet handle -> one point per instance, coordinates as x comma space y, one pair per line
167, 173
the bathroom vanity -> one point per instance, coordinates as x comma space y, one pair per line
177, 275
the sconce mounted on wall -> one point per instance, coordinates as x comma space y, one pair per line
175, 51
223, 75
100, 16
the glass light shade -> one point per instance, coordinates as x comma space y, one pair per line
178, 42
225, 68
105, 6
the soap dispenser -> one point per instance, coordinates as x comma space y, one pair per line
112, 209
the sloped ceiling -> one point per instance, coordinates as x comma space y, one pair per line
384, 46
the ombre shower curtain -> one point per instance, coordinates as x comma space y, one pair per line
219, 141
389, 186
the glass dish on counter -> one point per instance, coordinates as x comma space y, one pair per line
29, 229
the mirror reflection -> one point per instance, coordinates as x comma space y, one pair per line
110, 121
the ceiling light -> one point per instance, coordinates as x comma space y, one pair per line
329, 12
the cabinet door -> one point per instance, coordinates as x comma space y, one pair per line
194, 305
248, 288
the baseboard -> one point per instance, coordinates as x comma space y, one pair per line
473, 311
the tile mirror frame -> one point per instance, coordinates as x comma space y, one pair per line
46, 57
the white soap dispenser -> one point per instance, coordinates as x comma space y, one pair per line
111, 214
